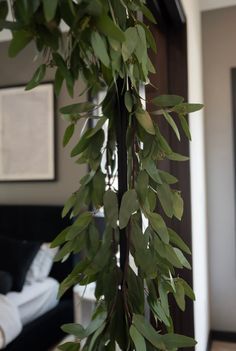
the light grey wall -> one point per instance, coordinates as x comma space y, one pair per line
19, 71
219, 53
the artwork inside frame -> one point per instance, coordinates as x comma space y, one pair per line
27, 134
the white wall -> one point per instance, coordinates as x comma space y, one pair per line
215, 4
18, 71
219, 49
197, 166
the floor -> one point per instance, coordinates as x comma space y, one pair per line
222, 346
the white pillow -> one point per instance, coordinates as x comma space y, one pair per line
42, 264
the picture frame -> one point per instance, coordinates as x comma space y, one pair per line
27, 134
233, 99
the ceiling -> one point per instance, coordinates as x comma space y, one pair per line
215, 4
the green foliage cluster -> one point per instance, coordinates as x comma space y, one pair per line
107, 43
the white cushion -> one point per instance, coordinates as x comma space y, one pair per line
42, 264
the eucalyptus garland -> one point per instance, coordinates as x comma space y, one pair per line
107, 46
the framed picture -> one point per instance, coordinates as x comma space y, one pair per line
27, 138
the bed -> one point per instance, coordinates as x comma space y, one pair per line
42, 224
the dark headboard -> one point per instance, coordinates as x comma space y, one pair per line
36, 222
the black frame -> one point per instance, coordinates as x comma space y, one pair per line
233, 94
55, 129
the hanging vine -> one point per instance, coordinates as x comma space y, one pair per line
107, 46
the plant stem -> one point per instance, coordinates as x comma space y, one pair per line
121, 128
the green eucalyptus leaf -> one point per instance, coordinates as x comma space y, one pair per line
138, 238
148, 331
69, 346
82, 145
164, 144
152, 199
129, 205
136, 293
167, 177
75, 329
163, 293
65, 251
128, 101
80, 107
150, 38
78, 237
98, 126
60, 238
94, 8
159, 226
73, 278
172, 123
182, 258
37, 77
68, 134
150, 66
185, 108
176, 240
173, 341
68, 205
167, 252
178, 205
188, 290
165, 196
99, 185
100, 48
109, 28
61, 64
151, 169
130, 43
81, 200
177, 157
92, 241
148, 14
185, 126
95, 336
87, 178
96, 323
50, 8
59, 78
179, 295
81, 223
145, 121
24, 10
111, 208
167, 100
158, 311
142, 185
138, 339
20, 39
141, 49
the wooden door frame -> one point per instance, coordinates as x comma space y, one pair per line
171, 21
